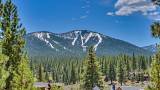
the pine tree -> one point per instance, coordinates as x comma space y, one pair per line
143, 63
134, 63
53, 76
120, 71
73, 75
157, 2
22, 78
105, 71
133, 66
41, 76
46, 76
3, 72
155, 29
155, 71
12, 43
127, 67
1, 12
92, 74
111, 71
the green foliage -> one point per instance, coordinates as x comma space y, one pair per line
155, 71
92, 76
155, 67
19, 75
61, 70
55, 87
157, 2
41, 74
155, 29
134, 66
120, 71
22, 78
111, 71
150, 88
73, 75
3, 72
1, 12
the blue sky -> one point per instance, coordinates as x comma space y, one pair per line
127, 20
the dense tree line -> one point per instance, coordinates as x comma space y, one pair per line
70, 70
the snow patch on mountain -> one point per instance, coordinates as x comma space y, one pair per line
100, 40
48, 36
82, 44
41, 36
84, 38
77, 35
55, 42
64, 47
51, 45
90, 35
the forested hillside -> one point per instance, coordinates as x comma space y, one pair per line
62, 69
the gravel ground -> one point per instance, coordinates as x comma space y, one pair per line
130, 88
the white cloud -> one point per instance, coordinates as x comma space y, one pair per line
83, 17
86, 10
127, 2
155, 16
154, 13
128, 7
110, 13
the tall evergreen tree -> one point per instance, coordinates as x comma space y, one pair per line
73, 75
120, 71
92, 74
46, 76
127, 66
1, 11
3, 72
13, 43
134, 63
143, 63
41, 75
22, 78
53, 76
155, 71
111, 71
105, 71
155, 29
3, 59
157, 2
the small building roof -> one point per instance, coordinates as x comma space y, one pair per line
96, 88
41, 84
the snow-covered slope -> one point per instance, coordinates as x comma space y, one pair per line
77, 42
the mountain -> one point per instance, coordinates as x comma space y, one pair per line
151, 48
76, 43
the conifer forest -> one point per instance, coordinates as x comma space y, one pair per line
80, 59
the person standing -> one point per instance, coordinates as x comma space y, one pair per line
113, 87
